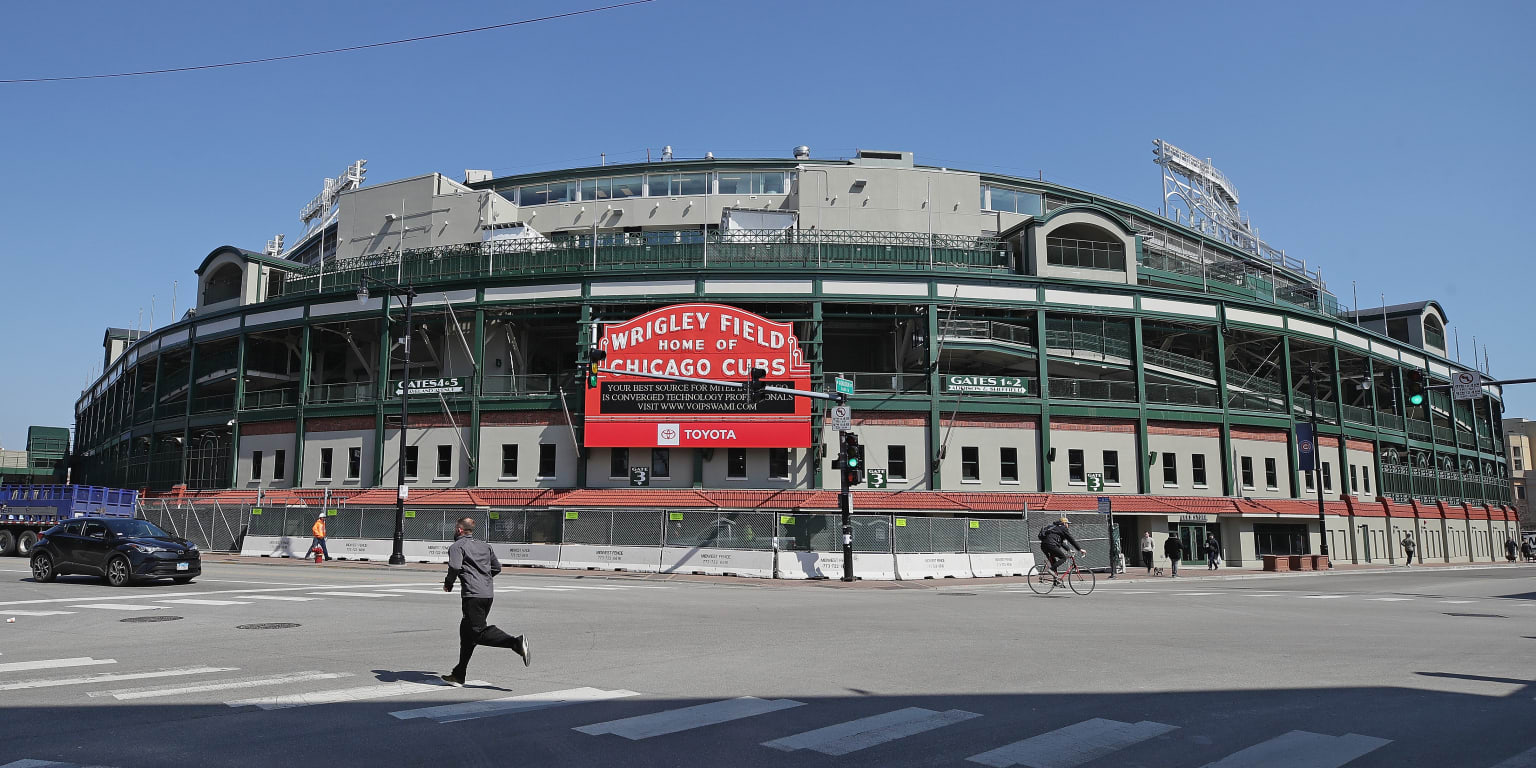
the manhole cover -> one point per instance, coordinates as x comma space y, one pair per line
148, 619
1479, 615
277, 625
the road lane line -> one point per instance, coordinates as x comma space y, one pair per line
1321, 597
110, 677
364, 693
354, 594
1196, 594
1073, 745
77, 661
438, 591
1458, 602
454, 713
1391, 599
194, 601
863, 733
121, 607
289, 598
200, 593
687, 718
1303, 749
129, 694
12, 612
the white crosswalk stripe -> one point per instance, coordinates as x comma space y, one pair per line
1302, 749
152, 692
1391, 599
534, 589
1458, 602
34, 613
122, 607
1196, 594
364, 693
1322, 597
863, 733
688, 718
285, 598
453, 713
193, 601
417, 591
1073, 745
111, 677
74, 661
354, 594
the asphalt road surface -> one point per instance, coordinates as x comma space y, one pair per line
283, 662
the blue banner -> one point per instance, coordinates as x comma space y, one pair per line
1306, 447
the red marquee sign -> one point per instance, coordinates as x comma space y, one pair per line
706, 341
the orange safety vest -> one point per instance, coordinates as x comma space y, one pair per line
319, 528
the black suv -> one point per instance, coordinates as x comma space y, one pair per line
116, 548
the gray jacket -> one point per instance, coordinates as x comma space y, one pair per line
474, 564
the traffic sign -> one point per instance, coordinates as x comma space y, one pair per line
1095, 482
1466, 385
876, 478
841, 417
1103, 505
843, 385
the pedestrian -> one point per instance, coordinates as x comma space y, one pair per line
1510, 549
1175, 552
1408, 548
1529, 550
1212, 552
1146, 551
473, 564
318, 529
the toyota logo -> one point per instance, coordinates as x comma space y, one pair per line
669, 434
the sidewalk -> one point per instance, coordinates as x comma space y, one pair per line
1130, 577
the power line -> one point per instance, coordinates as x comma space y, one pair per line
327, 52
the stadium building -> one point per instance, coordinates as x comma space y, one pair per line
1011, 342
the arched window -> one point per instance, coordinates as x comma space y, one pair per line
222, 284
1434, 332
1084, 246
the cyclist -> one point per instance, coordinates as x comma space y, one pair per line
1051, 538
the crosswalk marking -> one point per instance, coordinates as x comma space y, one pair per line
586, 586
286, 598
1321, 597
1526, 759
110, 677
121, 607
1390, 599
128, 694
380, 691
453, 713
1267, 594
417, 591
75, 661
1458, 602
855, 735
1196, 594
538, 589
191, 601
1073, 745
688, 718
354, 594
35, 613
1302, 749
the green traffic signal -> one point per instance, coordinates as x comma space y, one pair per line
1416, 400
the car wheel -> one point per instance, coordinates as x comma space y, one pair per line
181, 579
42, 568
25, 543
119, 572
7, 543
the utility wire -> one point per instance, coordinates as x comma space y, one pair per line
325, 53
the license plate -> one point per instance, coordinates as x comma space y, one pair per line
182, 566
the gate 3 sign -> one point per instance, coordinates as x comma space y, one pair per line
707, 341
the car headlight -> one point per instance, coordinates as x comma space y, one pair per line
147, 549
191, 546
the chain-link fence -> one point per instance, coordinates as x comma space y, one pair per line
212, 527
720, 530
1090, 529
824, 533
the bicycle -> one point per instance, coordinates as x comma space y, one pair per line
1042, 581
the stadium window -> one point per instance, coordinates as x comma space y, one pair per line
970, 464
546, 460
1075, 472
1365, 478
618, 463
509, 461
1009, 200
1197, 469
744, 183
1247, 462
543, 194
677, 184
614, 188
661, 462
1519, 459
255, 465
279, 464
778, 463
1271, 474
896, 462
1310, 480
1009, 461
736, 464
410, 462
1111, 467
1327, 477
1170, 470
1354, 480
1520, 492
354, 463
325, 464
1084, 246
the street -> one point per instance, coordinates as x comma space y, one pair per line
257, 663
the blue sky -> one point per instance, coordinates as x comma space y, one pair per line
1386, 141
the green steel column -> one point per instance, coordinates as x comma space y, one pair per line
386, 351
1143, 462
1370, 373
1298, 485
1042, 359
186, 415
1221, 392
298, 415
818, 378
473, 478
935, 388
234, 432
1338, 402
584, 340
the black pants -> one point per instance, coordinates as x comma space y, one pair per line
474, 631
1057, 555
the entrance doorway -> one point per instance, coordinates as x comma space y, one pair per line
1192, 536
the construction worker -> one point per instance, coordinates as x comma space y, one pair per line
318, 529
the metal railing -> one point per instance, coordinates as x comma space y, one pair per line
342, 392
1080, 341
269, 398
528, 385
1358, 415
1250, 401
213, 403
1183, 394
889, 383
1093, 389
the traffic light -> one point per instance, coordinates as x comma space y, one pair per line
1416, 387
852, 460
595, 357
757, 388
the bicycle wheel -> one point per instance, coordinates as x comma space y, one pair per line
1040, 580
1081, 582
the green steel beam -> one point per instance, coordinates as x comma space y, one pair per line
302, 400
1042, 363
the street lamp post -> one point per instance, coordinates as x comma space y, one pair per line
397, 551
1317, 464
